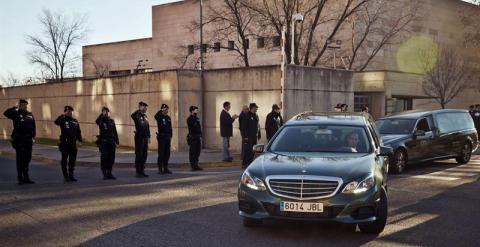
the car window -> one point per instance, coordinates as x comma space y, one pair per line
423, 125
395, 126
323, 138
454, 121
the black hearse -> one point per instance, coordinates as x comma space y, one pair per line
418, 136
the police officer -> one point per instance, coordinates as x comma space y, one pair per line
164, 138
241, 118
251, 132
471, 110
476, 117
142, 138
23, 137
107, 142
194, 138
70, 139
274, 121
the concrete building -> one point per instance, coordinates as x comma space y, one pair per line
390, 83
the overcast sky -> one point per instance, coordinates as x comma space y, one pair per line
108, 20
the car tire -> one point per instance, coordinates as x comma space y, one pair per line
248, 222
399, 161
377, 226
465, 154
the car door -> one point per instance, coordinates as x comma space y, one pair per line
420, 146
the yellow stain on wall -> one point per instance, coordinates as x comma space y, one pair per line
418, 54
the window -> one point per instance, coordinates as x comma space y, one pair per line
454, 121
360, 101
247, 44
119, 72
322, 138
276, 41
231, 45
261, 42
216, 47
423, 125
204, 48
190, 49
392, 126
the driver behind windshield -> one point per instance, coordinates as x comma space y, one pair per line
352, 141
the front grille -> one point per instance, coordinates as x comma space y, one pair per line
303, 187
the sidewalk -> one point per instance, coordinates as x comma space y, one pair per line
90, 156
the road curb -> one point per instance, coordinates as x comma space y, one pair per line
50, 161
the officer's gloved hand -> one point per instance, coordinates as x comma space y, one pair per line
79, 144
33, 140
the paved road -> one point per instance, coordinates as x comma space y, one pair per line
434, 204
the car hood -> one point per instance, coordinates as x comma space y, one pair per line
346, 166
386, 139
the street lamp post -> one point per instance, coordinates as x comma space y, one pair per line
295, 18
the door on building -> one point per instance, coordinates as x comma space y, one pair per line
361, 100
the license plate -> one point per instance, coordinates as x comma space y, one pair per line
307, 207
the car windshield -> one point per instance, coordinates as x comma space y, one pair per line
324, 138
395, 126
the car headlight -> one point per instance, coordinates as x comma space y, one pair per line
359, 187
252, 182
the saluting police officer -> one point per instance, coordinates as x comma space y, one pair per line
70, 139
273, 122
142, 138
23, 137
164, 138
107, 142
194, 138
251, 133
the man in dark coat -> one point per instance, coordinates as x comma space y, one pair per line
107, 142
226, 130
274, 122
194, 138
241, 117
23, 137
142, 138
471, 110
164, 138
251, 131
70, 139
476, 117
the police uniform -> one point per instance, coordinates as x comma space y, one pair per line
273, 122
142, 136
250, 131
107, 143
194, 138
22, 139
70, 135
164, 138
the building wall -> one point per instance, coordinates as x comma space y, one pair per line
179, 89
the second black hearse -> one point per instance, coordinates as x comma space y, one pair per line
418, 136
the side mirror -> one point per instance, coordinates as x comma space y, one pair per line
419, 133
258, 148
386, 151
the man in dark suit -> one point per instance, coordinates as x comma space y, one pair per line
23, 137
194, 138
164, 138
226, 130
107, 142
241, 117
274, 122
251, 131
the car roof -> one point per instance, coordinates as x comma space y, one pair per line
415, 114
334, 118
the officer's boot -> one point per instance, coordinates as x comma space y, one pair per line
71, 177
109, 174
160, 169
66, 178
20, 179
26, 178
165, 169
105, 174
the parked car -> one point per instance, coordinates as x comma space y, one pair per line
319, 166
418, 136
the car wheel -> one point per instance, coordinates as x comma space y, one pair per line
381, 215
465, 154
399, 162
247, 222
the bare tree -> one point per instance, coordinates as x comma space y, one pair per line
100, 68
446, 74
11, 80
52, 49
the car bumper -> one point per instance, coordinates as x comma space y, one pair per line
340, 208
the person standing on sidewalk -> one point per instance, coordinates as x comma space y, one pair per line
226, 130
142, 138
164, 138
70, 139
274, 122
107, 142
194, 138
251, 131
23, 137
241, 117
